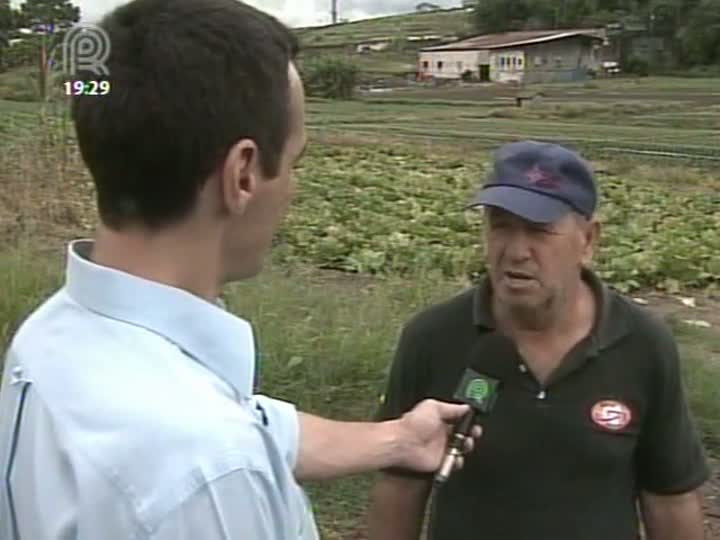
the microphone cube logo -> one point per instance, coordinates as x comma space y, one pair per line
478, 391
86, 48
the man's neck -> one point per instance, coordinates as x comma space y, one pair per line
562, 318
180, 259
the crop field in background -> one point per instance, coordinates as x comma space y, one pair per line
378, 232
659, 115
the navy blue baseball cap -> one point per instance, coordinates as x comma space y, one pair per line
540, 182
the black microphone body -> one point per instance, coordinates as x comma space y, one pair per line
455, 449
480, 392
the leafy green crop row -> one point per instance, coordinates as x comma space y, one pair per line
389, 210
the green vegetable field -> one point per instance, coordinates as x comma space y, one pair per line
398, 210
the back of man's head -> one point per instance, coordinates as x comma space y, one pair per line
189, 78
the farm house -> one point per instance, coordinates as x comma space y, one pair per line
526, 56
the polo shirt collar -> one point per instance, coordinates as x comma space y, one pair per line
206, 332
610, 325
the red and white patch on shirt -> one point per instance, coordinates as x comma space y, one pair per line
611, 414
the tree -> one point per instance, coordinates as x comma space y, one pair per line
690, 28
50, 12
493, 16
701, 40
6, 16
331, 77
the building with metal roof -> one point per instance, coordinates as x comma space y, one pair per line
521, 56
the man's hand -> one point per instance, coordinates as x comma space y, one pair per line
423, 435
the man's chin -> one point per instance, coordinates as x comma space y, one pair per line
521, 300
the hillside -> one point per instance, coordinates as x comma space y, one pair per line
445, 23
404, 34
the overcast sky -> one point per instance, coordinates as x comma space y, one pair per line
291, 12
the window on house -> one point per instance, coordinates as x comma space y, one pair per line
502, 61
425, 64
440, 65
520, 62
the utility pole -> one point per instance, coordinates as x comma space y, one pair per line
334, 11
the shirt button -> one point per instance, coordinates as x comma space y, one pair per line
541, 395
17, 375
523, 369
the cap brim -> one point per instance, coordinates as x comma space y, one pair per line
529, 205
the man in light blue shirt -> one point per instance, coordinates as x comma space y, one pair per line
127, 408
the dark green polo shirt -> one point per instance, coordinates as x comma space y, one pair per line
564, 461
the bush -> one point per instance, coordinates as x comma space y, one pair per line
330, 77
19, 86
637, 66
21, 54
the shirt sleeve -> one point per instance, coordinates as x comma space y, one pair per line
242, 505
671, 457
281, 418
405, 385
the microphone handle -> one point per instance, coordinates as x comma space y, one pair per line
455, 449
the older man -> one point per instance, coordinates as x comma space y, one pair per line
128, 409
592, 418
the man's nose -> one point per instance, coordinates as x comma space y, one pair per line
517, 246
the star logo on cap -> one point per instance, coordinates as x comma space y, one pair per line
542, 179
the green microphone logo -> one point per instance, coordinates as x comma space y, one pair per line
477, 390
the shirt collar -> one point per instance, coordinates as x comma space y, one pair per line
611, 323
205, 331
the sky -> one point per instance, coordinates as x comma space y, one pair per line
291, 12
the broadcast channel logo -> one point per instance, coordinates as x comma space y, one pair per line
86, 48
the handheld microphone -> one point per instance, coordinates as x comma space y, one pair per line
480, 392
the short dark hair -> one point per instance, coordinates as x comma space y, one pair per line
189, 78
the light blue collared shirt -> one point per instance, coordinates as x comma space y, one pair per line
127, 413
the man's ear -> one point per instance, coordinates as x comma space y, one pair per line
238, 179
591, 237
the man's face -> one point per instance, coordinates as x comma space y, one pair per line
249, 234
531, 264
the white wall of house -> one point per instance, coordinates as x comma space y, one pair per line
450, 64
507, 65
539, 62
555, 61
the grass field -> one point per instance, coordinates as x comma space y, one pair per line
608, 118
377, 232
